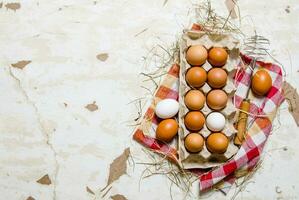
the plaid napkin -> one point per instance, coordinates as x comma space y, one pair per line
168, 89
263, 112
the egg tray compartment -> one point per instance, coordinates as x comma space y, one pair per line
149, 128
204, 158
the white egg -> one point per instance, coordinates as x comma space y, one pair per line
167, 108
215, 121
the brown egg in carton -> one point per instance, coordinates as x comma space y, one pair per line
204, 158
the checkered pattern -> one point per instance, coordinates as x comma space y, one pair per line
145, 133
263, 111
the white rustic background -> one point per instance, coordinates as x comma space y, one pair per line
45, 127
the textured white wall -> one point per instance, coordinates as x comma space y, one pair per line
40, 135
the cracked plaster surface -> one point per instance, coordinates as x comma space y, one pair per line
46, 129
40, 126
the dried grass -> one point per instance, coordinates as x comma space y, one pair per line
241, 183
178, 177
160, 57
207, 17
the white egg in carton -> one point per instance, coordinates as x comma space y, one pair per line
204, 158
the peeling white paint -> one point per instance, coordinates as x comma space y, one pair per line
39, 135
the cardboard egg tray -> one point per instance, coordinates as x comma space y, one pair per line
205, 159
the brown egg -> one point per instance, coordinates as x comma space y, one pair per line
194, 142
217, 78
194, 120
194, 99
196, 55
217, 143
261, 82
196, 76
217, 99
217, 56
166, 130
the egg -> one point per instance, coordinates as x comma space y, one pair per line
194, 142
217, 78
194, 120
196, 76
217, 56
167, 108
215, 121
217, 143
196, 55
261, 82
194, 100
166, 130
217, 99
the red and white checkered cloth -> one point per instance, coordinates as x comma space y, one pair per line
263, 112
